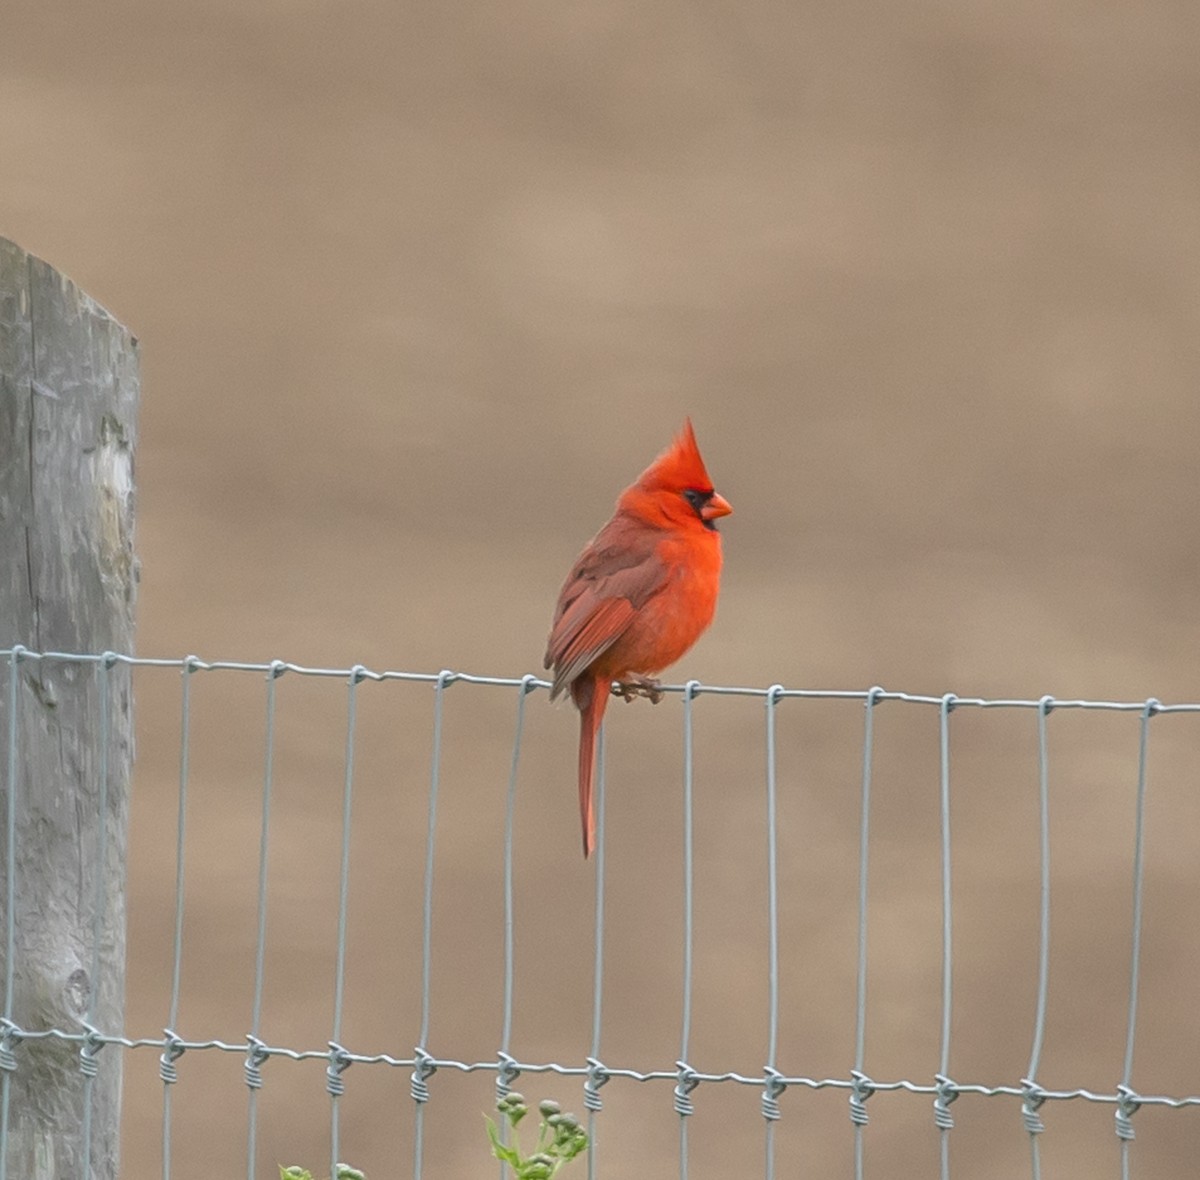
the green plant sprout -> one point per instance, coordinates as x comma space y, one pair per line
344, 1172
560, 1139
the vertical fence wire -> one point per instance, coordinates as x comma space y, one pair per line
510, 810
91, 1045
591, 1096
770, 1099
946, 1095
506, 1072
338, 1060
861, 1091
254, 1055
1031, 1104
424, 1070
1127, 1105
166, 1065
8, 1061
683, 1103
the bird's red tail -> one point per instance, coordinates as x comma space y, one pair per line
591, 696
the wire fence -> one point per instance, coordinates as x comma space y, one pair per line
687, 1082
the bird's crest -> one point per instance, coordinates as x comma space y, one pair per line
679, 466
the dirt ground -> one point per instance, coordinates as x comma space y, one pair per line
420, 288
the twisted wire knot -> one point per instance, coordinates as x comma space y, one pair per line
687, 1081
425, 1069
770, 1095
597, 1076
173, 1050
10, 1038
506, 1074
256, 1055
861, 1088
1127, 1106
339, 1062
1032, 1097
946, 1093
91, 1045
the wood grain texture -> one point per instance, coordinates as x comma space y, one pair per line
68, 403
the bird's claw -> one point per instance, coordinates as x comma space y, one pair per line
639, 686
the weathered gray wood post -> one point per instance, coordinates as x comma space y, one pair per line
68, 406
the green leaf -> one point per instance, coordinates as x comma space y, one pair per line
508, 1155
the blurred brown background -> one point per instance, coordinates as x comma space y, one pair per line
420, 288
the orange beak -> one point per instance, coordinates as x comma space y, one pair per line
717, 506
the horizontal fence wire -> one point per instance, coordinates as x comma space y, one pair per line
594, 1071
359, 673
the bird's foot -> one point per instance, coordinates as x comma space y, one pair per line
639, 686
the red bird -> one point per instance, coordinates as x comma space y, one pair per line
640, 594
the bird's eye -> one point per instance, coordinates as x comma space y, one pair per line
697, 499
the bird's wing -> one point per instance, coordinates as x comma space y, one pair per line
614, 577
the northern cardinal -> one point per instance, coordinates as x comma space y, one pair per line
640, 594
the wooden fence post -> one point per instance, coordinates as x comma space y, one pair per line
68, 406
